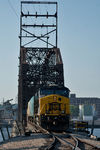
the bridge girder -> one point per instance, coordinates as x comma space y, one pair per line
38, 65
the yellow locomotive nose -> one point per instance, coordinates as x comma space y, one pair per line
55, 98
54, 105
51, 108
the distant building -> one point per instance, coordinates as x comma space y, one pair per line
86, 112
15, 111
8, 111
86, 101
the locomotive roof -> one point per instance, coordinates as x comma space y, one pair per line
55, 87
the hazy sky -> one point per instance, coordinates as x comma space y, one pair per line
79, 42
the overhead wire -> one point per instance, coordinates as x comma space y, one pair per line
13, 9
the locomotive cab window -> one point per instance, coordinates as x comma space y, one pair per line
54, 90
57, 106
62, 93
54, 106
46, 92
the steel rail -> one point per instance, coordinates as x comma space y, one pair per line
53, 143
76, 141
56, 139
70, 144
64, 142
90, 144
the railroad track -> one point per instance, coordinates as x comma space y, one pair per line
52, 143
66, 141
71, 142
63, 141
86, 145
58, 142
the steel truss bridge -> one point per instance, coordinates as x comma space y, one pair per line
40, 61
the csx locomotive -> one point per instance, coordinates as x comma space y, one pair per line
50, 107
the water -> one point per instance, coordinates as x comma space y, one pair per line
96, 132
5, 134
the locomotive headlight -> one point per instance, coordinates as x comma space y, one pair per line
63, 112
59, 98
55, 98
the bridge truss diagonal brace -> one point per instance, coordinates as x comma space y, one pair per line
38, 67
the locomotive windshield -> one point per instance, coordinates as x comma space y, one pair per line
60, 91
